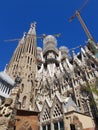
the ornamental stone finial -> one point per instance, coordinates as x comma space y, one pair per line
33, 25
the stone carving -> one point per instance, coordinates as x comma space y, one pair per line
77, 123
3, 123
6, 109
25, 126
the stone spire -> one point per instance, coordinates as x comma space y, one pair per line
23, 38
13, 66
23, 65
32, 30
73, 54
83, 55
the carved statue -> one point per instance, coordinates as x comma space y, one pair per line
6, 109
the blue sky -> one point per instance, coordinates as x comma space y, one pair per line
51, 17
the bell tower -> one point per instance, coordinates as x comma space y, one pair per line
23, 65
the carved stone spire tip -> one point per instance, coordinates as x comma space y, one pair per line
33, 24
32, 29
24, 34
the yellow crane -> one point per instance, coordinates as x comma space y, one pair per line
91, 41
77, 14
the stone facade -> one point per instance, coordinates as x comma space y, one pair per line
52, 81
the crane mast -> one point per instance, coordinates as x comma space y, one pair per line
77, 14
84, 25
91, 41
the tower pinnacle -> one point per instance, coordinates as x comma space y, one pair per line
32, 29
23, 38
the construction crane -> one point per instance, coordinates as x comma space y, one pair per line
77, 13
75, 48
91, 42
38, 37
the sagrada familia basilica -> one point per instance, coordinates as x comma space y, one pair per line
47, 88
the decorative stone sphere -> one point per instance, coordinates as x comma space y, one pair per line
49, 40
64, 50
39, 49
